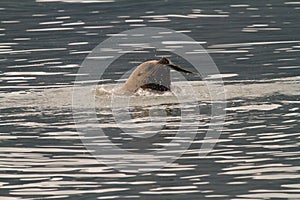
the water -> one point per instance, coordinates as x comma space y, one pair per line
256, 48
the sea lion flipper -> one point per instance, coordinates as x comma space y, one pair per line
166, 61
179, 69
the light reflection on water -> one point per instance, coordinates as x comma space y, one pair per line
48, 156
257, 156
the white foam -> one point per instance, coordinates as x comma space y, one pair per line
191, 91
217, 76
263, 107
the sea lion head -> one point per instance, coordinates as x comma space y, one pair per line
153, 75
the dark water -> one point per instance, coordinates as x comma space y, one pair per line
43, 44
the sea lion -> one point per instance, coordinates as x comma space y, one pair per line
154, 75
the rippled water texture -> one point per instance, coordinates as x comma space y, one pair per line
256, 46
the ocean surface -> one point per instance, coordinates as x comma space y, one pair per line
53, 148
